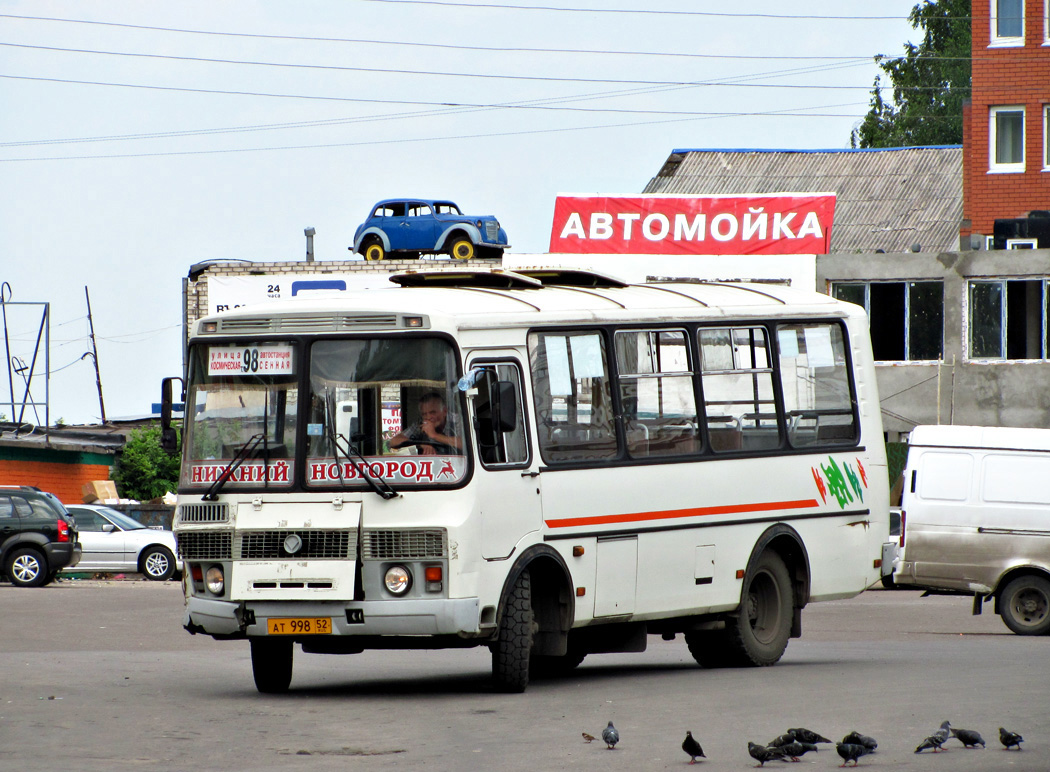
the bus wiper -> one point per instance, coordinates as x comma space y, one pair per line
216, 487
378, 484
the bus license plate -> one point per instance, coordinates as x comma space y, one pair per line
299, 626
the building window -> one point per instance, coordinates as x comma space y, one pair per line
1007, 22
1007, 139
1007, 319
906, 318
1046, 119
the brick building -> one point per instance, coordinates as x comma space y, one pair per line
1006, 126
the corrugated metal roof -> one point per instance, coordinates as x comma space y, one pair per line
886, 199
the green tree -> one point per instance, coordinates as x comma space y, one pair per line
144, 471
930, 83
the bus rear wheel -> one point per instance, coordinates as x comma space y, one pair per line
758, 634
512, 649
272, 664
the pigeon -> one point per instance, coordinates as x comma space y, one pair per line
611, 736
1008, 738
806, 736
784, 739
856, 738
933, 741
850, 752
588, 738
968, 737
692, 747
936, 740
795, 749
764, 753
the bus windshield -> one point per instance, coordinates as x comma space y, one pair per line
241, 407
390, 404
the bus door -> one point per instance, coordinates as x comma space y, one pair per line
506, 483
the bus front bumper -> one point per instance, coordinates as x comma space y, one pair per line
440, 616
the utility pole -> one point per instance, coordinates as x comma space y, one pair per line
94, 356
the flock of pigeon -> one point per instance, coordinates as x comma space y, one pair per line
791, 745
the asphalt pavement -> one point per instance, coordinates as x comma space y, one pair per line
100, 675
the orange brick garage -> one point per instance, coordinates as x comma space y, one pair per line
61, 472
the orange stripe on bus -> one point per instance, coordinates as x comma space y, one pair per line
668, 514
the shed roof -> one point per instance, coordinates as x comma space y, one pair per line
886, 199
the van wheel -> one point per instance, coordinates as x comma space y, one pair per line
758, 634
1025, 605
511, 651
272, 664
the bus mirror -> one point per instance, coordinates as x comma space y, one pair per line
169, 439
504, 406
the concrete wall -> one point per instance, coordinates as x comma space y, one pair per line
958, 389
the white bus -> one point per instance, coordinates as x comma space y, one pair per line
549, 463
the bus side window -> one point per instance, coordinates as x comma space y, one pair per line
573, 397
738, 389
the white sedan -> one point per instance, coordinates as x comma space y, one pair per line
112, 541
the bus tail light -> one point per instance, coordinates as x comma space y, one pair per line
904, 516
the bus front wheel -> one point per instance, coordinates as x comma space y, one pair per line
758, 634
513, 647
272, 664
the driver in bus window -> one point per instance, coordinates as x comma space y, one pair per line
436, 428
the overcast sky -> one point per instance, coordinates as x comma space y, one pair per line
139, 138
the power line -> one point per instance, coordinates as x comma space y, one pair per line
404, 115
431, 73
376, 143
643, 11
461, 47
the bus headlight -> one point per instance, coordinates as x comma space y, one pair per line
397, 580
214, 580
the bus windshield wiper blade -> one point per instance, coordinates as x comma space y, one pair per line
379, 485
216, 487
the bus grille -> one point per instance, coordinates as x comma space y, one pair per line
391, 544
205, 545
203, 513
491, 231
316, 545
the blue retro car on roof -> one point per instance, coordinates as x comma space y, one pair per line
406, 227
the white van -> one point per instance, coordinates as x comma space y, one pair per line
976, 519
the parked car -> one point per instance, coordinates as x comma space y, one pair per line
407, 227
113, 541
38, 538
